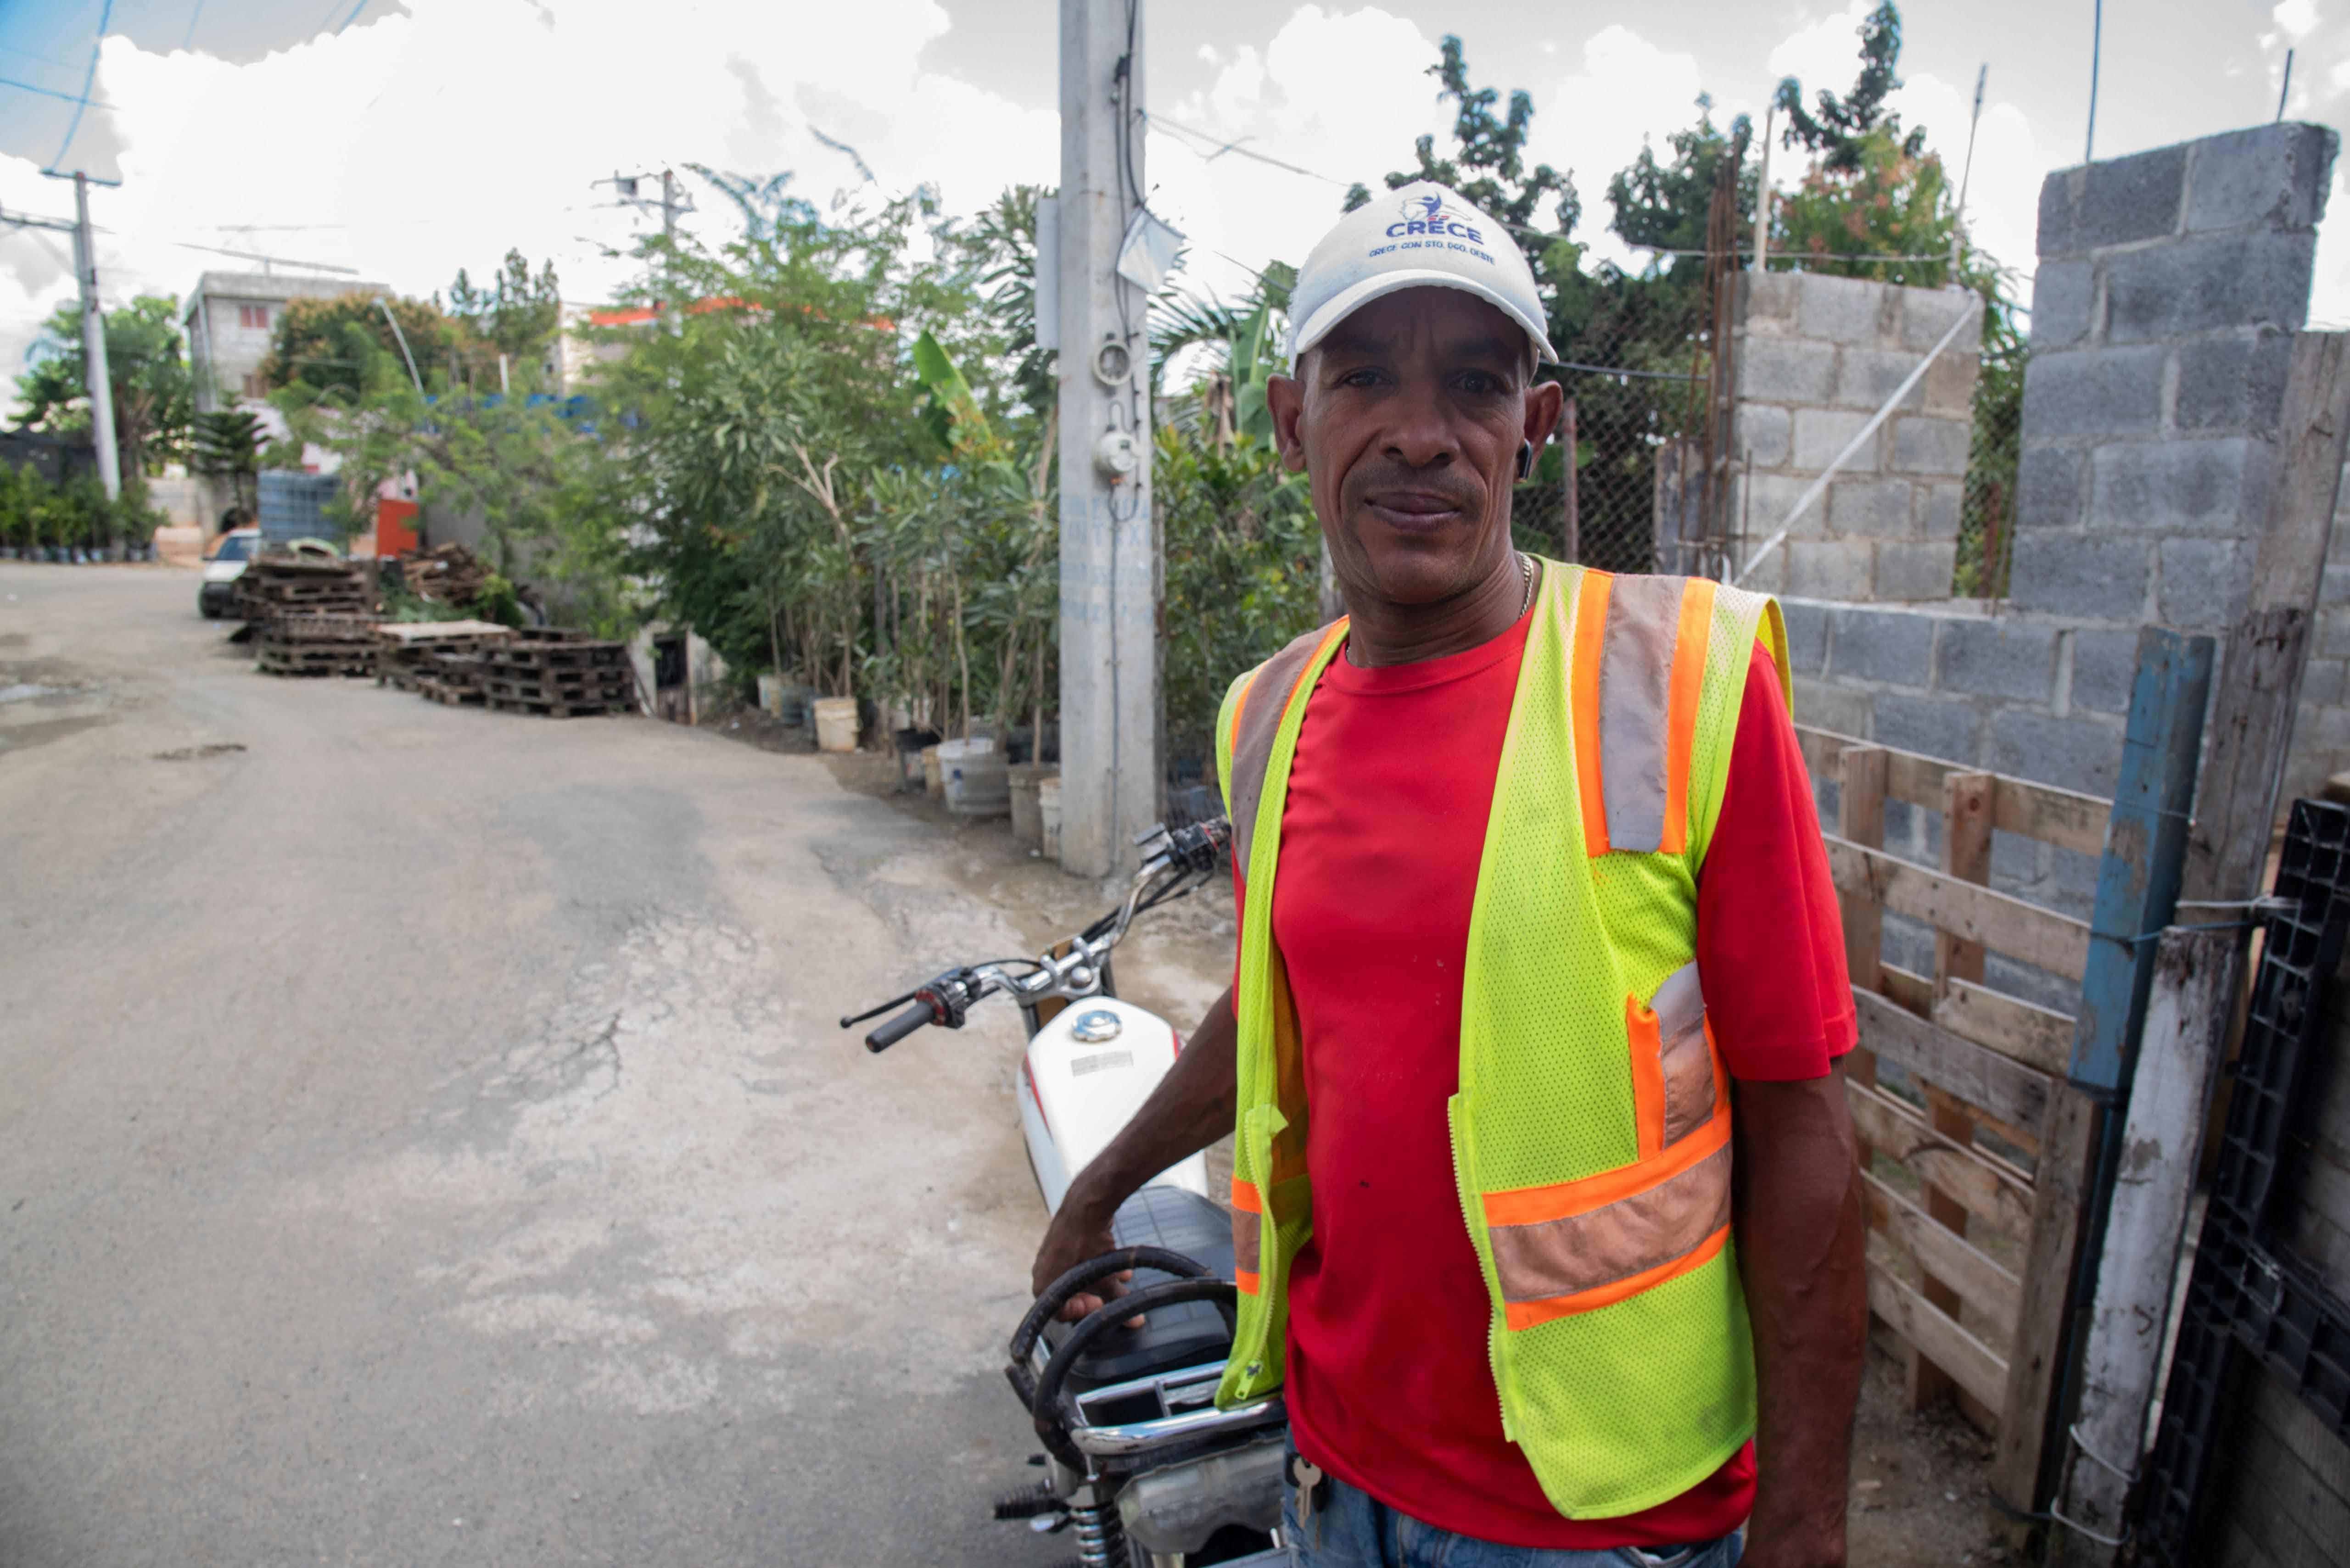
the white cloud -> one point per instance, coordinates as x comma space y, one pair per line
1626, 92
1822, 51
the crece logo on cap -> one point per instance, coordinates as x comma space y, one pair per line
1428, 215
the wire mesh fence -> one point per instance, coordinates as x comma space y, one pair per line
1987, 511
1637, 368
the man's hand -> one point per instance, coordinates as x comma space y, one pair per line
1190, 1108
1802, 1256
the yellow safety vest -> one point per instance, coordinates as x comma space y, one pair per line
1591, 1132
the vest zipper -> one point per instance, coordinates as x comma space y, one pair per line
1457, 1117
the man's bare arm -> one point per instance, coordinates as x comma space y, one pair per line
1190, 1108
1802, 1254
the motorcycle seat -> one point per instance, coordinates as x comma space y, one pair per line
1189, 1333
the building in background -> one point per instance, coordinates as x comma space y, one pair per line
229, 317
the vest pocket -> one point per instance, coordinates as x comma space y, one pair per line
1577, 1246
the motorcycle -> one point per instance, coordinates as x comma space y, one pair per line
1139, 1463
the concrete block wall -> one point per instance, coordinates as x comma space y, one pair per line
2170, 286
2321, 729
1814, 358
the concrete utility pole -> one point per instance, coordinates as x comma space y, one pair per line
1111, 578
93, 345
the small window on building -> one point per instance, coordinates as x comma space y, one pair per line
253, 316
255, 388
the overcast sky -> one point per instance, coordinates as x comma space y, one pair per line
427, 135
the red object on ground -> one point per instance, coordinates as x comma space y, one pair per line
1389, 1386
395, 532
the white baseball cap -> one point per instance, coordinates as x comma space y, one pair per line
1424, 236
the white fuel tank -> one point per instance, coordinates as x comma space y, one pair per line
1085, 1075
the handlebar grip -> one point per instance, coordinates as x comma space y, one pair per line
898, 1028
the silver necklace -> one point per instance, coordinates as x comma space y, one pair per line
1526, 566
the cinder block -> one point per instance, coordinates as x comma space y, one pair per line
2094, 392
2081, 753
2274, 175
2203, 582
2233, 383
1950, 383
1760, 507
2036, 986
1830, 569
2334, 584
2113, 202
2324, 682
1769, 576
2169, 486
1867, 376
1767, 300
2064, 296
1807, 635
1922, 445
1927, 313
1940, 506
1787, 369
2008, 659
2104, 664
1882, 645
1843, 709
1846, 309
1764, 435
1937, 726
2255, 279
2334, 634
1820, 433
1879, 508
2079, 575
2051, 484
1914, 572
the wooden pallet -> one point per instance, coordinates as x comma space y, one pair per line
556, 690
1954, 1085
436, 690
557, 710
528, 656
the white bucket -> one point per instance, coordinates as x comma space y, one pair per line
1048, 814
835, 723
770, 694
977, 784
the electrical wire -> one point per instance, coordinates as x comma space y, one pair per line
88, 80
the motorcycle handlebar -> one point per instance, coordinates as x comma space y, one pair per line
898, 1028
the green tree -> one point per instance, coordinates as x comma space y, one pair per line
147, 372
1840, 128
328, 344
228, 445
517, 314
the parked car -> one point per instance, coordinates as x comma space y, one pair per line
223, 566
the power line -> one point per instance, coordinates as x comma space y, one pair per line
50, 92
88, 80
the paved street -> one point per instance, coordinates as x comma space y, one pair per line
424, 1138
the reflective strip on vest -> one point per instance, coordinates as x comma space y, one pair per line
1639, 668
1256, 717
1247, 1222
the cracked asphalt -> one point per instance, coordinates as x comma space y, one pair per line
424, 1138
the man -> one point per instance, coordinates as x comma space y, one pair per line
1545, 1206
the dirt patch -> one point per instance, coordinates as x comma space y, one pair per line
1920, 1482
196, 754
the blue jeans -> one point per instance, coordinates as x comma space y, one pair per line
1351, 1529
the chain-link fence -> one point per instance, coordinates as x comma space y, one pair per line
1636, 368
1987, 514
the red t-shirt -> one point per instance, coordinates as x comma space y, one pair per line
1388, 1386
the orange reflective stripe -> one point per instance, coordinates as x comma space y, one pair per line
1681, 715
1245, 1278
1244, 1197
1589, 1260
1533, 1314
1240, 706
1565, 1199
1647, 1077
1582, 702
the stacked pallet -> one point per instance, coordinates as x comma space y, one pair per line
272, 586
404, 650
317, 645
445, 574
559, 674
455, 679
